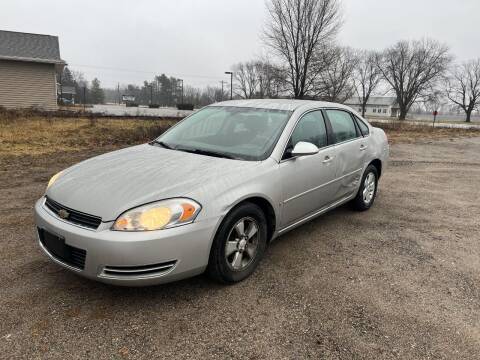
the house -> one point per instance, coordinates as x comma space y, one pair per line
28, 68
376, 106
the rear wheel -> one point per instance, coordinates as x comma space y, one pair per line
239, 244
368, 189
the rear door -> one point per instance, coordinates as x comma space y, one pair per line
350, 148
307, 181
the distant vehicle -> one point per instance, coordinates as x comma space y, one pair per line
211, 192
129, 101
128, 98
67, 101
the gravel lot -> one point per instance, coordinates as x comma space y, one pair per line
399, 281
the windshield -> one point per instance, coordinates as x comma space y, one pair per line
232, 132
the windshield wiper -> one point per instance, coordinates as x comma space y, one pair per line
208, 153
162, 144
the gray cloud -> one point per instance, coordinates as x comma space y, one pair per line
128, 41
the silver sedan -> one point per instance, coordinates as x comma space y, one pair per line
210, 193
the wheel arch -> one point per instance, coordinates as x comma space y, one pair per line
378, 165
267, 209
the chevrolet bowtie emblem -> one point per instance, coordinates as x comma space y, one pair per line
63, 214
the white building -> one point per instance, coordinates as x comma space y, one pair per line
376, 106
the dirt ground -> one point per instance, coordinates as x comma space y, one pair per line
399, 281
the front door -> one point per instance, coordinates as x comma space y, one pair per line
308, 181
351, 148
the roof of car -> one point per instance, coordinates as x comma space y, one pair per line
278, 104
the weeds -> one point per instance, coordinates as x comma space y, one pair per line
46, 135
28, 133
399, 132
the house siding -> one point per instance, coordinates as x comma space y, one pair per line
27, 84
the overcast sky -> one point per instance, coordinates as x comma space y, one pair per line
129, 41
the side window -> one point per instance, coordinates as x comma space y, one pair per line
343, 126
363, 127
311, 128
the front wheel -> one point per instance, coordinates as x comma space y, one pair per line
368, 189
239, 244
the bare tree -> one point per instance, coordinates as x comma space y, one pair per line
297, 30
463, 86
367, 77
270, 79
433, 100
335, 82
246, 79
211, 94
411, 67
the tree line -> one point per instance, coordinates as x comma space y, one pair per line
301, 37
305, 61
89, 92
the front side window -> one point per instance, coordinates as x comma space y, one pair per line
311, 128
236, 132
343, 126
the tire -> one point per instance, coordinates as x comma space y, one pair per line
363, 202
225, 265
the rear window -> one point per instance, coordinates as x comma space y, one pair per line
363, 127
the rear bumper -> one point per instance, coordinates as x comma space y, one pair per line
132, 258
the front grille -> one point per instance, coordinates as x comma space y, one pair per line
143, 270
73, 216
58, 249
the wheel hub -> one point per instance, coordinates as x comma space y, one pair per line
242, 245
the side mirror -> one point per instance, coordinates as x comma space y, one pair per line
304, 148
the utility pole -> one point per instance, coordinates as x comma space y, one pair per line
61, 89
231, 83
84, 97
182, 88
118, 93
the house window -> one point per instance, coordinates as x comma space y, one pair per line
374, 110
384, 111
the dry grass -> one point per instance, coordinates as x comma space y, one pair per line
36, 135
42, 135
404, 133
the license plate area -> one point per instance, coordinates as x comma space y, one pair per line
63, 252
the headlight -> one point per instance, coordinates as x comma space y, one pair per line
54, 178
159, 215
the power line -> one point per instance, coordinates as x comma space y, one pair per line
145, 71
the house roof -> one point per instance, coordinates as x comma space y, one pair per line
374, 101
29, 47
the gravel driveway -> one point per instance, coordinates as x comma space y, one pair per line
399, 281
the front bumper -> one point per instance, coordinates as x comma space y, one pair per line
132, 258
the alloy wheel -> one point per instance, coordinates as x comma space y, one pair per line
242, 244
369, 188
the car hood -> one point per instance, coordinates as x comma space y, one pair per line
109, 184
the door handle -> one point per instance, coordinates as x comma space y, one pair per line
363, 147
327, 159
